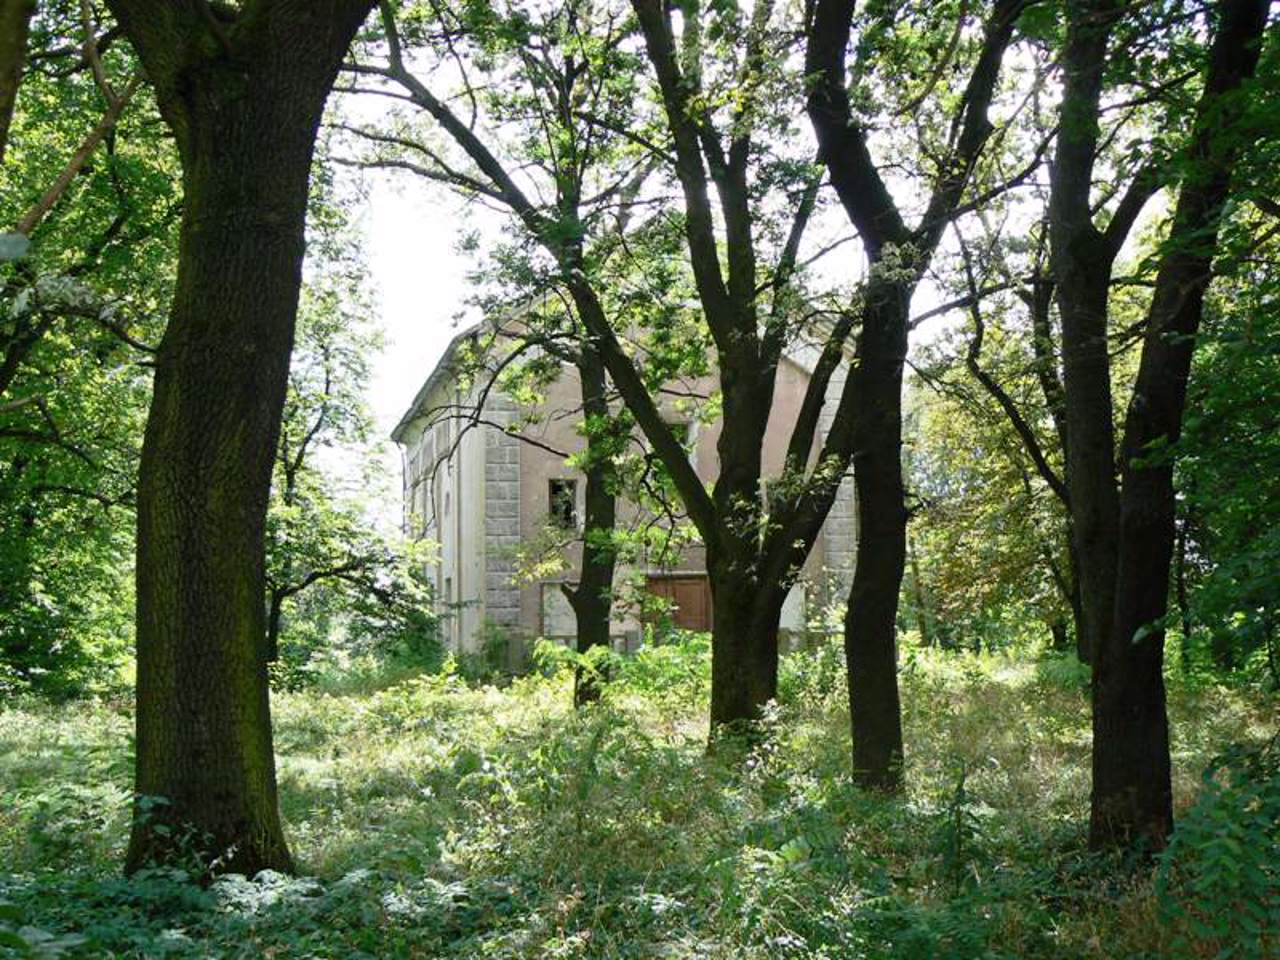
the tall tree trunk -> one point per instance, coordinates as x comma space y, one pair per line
744, 642
204, 728
1081, 262
15, 25
747, 604
870, 625
592, 599
1132, 793
244, 98
874, 384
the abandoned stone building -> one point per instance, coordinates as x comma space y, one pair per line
482, 480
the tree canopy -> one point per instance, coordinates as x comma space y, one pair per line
1010, 269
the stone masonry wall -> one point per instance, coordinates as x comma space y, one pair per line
501, 515
841, 528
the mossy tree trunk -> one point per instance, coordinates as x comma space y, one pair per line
243, 92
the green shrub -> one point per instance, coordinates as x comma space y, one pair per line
432, 817
1219, 879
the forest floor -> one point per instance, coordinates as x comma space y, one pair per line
432, 818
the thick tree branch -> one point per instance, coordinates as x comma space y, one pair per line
842, 141
689, 139
1145, 183
1021, 427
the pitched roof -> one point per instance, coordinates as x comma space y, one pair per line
803, 356
443, 368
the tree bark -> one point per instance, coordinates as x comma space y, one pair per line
1132, 792
592, 599
244, 99
204, 730
870, 409
1123, 533
15, 25
744, 642
870, 625
1081, 264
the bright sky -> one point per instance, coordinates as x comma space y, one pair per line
420, 280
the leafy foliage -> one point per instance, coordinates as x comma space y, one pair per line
339, 583
433, 818
1219, 882
1230, 461
77, 314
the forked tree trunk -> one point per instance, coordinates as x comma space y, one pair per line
870, 625
1123, 534
875, 379
1132, 792
244, 100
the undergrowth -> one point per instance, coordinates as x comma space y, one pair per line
432, 818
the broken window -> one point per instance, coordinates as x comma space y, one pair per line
563, 503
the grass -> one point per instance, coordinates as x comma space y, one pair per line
431, 818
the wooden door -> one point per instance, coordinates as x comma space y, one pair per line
690, 596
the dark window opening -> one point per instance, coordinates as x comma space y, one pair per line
563, 505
